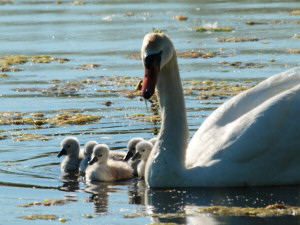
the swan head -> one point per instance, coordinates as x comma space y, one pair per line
131, 147
70, 147
143, 150
157, 51
100, 154
88, 148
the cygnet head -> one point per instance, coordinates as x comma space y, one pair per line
153, 140
131, 147
70, 147
143, 150
157, 50
88, 148
100, 154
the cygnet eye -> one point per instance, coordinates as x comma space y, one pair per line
100, 155
68, 146
143, 150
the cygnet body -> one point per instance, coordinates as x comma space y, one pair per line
101, 168
143, 150
131, 150
88, 151
70, 148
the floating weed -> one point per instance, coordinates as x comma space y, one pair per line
180, 18
242, 65
47, 202
129, 14
72, 118
3, 75
156, 30
293, 50
79, 3
90, 66
7, 62
40, 217
29, 137
296, 36
251, 23
214, 29
157, 215
6, 2
295, 12
145, 118
197, 54
268, 211
236, 39
297, 22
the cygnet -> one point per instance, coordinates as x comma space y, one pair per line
143, 150
103, 169
70, 148
88, 151
131, 150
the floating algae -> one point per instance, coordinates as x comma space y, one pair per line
180, 18
90, 66
7, 62
242, 65
268, 211
236, 39
214, 29
196, 54
47, 202
293, 50
40, 217
145, 118
29, 137
295, 13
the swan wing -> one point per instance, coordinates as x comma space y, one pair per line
259, 127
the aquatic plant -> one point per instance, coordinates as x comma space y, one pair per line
90, 66
294, 12
214, 29
180, 18
197, 54
156, 30
242, 65
268, 211
40, 217
236, 39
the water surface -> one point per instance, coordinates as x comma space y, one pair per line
105, 33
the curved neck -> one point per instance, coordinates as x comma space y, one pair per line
166, 163
174, 127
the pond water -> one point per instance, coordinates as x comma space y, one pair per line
107, 35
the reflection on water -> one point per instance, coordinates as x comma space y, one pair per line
106, 33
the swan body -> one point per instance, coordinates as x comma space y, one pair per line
88, 151
101, 168
143, 150
251, 140
71, 149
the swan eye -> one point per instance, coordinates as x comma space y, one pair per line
149, 60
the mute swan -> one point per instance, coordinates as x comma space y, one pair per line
252, 139
103, 169
70, 148
88, 150
143, 150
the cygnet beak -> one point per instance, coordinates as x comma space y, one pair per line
62, 152
128, 156
136, 156
91, 162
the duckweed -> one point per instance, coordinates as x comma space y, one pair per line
236, 39
268, 211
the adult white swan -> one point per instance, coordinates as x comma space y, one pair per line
252, 139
